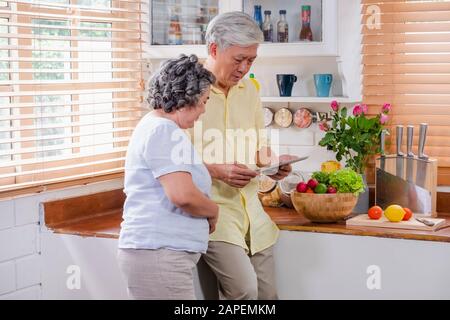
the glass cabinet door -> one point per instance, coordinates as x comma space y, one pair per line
181, 22
303, 19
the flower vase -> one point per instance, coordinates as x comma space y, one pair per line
362, 206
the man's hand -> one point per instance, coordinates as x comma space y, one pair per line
283, 171
235, 175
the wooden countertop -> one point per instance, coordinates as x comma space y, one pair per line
107, 225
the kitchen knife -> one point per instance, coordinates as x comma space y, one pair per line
400, 156
391, 189
409, 154
382, 147
422, 158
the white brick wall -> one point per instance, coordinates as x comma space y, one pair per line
20, 256
7, 277
31, 293
6, 214
28, 271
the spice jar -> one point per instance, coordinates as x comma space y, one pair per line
268, 193
283, 117
303, 118
287, 185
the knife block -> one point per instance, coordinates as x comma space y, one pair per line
404, 188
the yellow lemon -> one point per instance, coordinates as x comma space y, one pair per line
330, 166
394, 213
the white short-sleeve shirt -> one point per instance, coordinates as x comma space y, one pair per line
150, 220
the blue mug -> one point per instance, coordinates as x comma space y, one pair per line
323, 84
285, 83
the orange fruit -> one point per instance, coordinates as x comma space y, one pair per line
375, 212
394, 213
408, 214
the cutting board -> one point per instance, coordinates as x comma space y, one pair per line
364, 220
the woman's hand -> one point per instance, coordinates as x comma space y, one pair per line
212, 220
212, 224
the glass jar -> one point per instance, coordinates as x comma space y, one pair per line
268, 193
287, 185
268, 116
283, 117
303, 118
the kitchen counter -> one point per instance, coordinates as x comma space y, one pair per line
104, 221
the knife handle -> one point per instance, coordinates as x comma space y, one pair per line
422, 138
409, 141
382, 142
399, 131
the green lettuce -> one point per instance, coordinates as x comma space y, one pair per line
321, 177
347, 181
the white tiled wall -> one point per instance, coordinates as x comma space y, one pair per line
20, 241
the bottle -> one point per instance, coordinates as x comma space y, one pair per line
175, 36
257, 16
283, 28
267, 27
201, 23
306, 32
255, 82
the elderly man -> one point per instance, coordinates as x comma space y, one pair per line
240, 251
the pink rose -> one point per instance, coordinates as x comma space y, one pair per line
334, 105
386, 108
384, 118
357, 110
364, 108
324, 126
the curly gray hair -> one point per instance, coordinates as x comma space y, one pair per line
178, 83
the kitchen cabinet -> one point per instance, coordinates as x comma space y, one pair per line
191, 16
335, 47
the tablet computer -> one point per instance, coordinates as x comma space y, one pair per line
272, 169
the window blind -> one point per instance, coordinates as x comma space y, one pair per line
406, 61
71, 88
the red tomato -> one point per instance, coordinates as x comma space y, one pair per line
375, 212
310, 190
408, 214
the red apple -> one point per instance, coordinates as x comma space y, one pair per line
312, 183
302, 187
331, 189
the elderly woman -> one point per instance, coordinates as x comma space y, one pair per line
167, 214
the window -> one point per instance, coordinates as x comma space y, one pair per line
70, 88
406, 61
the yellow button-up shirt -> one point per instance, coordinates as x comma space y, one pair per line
237, 117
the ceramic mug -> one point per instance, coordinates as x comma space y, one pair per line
285, 84
323, 84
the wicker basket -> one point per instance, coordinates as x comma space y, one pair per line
324, 207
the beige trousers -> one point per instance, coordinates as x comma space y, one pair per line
158, 274
240, 276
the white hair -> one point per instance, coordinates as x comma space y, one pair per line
233, 29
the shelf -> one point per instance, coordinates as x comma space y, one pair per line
266, 50
174, 51
308, 99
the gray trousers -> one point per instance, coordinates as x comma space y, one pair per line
240, 276
158, 274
